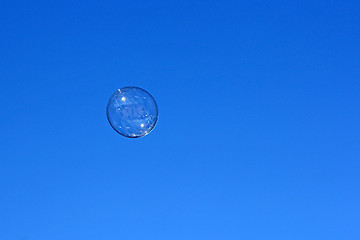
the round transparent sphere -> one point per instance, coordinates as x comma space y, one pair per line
132, 112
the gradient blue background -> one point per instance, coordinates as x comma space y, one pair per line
258, 135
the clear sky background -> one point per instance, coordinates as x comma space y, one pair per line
258, 135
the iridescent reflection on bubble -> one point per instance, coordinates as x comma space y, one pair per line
132, 112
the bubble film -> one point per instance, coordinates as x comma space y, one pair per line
132, 112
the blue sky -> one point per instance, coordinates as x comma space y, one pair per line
258, 133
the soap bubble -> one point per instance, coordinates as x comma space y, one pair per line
132, 112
